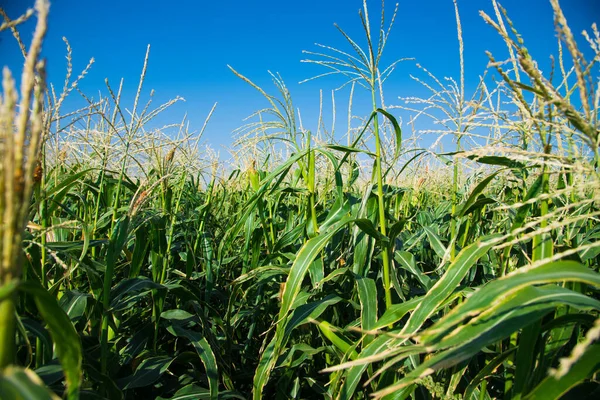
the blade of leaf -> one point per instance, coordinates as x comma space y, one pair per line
66, 340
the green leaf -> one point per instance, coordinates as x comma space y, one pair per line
74, 304
76, 245
140, 250
128, 287
481, 300
115, 246
526, 357
251, 204
397, 130
396, 312
206, 356
475, 194
553, 387
8, 289
23, 384
354, 374
444, 287
66, 340
329, 331
207, 252
304, 259
290, 237
147, 372
407, 261
523, 211
487, 371
263, 370
333, 276
366, 225
479, 204
367, 293
504, 316
435, 242
35, 328
305, 351
189, 392
56, 194
497, 160
50, 373
348, 149
306, 312
515, 312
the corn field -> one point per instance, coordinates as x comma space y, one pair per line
134, 264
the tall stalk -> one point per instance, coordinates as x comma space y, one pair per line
311, 185
20, 138
363, 69
461, 129
455, 178
381, 197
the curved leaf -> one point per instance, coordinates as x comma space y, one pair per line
19, 383
66, 340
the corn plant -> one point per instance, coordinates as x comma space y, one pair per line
136, 264
21, 137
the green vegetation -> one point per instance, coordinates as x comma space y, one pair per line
132, 268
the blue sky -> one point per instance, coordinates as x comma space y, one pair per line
193, 41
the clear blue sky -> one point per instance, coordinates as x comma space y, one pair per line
193, 41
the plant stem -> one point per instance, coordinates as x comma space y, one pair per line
381, 204
7, 332
455, 177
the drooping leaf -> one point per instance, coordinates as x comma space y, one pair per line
554, 386
66, 340
179, 321
407, 261
473, 196
23, 384
148, 372
74, 304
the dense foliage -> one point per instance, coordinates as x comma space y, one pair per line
141, 271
